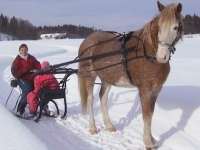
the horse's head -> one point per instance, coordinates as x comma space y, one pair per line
170, 30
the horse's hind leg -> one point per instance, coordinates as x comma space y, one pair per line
105, 88
92, 125
87, 85
148, 98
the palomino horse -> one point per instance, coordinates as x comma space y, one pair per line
155, 40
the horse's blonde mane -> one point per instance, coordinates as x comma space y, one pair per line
150, 32
168, 15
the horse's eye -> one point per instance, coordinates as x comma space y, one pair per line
176, 28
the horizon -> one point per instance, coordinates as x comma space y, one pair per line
123, 15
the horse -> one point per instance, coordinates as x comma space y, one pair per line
147, 65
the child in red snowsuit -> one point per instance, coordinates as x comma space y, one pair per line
46, 80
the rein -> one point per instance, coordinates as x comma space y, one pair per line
111, 53
124, 38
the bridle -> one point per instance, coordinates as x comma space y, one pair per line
171, 46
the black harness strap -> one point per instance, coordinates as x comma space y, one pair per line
124, 51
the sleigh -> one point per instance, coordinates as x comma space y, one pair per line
47, 95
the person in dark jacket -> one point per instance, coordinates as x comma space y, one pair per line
23, 69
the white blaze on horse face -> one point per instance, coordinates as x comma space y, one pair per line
162, 54
166, 35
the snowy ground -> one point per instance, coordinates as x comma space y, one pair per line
175, 123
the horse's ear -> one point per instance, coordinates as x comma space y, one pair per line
179, 8
160, 6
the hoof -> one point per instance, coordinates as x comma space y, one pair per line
153, 145
151, 148
111, 129
93, 131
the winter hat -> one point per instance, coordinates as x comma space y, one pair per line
23, 45
45, 64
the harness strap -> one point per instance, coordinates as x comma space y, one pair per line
124, 52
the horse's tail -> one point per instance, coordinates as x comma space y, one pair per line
83, 93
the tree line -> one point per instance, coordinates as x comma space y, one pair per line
18, 28
22, 29
191, 24
71, 31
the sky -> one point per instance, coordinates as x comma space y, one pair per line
117, 15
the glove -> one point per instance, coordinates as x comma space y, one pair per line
47, 68
34, 71
13, 83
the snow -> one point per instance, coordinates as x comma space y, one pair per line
175, 122
15, 136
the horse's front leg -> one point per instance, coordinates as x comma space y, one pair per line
148, 96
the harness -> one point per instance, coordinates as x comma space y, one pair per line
124, 51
